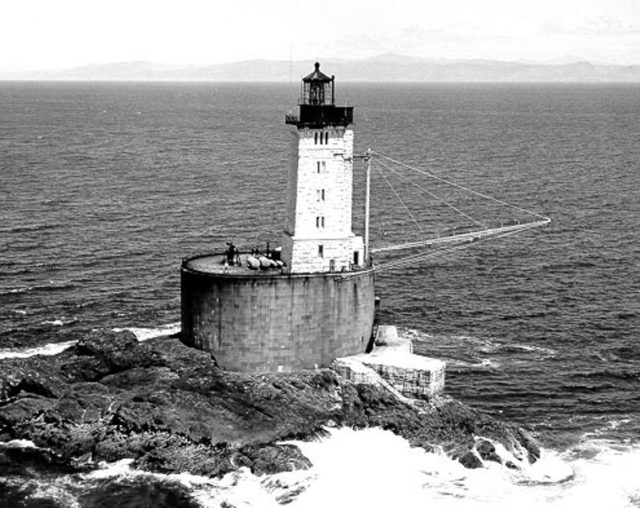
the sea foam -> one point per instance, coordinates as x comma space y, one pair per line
143, 334
46, 350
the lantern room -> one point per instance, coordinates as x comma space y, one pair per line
318, 89
317, 104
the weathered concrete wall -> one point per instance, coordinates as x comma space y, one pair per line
414, 376
281, 322
423, 379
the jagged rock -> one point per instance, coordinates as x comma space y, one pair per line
528, 443
106, 352
19, 459
470, 460
487, 451
172, 409
143, 492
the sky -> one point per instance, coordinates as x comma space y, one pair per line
60, 34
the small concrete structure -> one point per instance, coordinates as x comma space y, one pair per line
413, 376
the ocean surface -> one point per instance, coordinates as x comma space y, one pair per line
104, 188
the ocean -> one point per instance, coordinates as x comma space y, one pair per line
105, 187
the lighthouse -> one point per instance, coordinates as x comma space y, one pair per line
318, 234
254, 312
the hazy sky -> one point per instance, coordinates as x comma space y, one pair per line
49, 34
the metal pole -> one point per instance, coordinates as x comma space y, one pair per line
367, 203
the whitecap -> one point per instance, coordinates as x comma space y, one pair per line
486, 363
19, 290
532, 349
143, 334
375, 468
18, 443
46, 350
239, 488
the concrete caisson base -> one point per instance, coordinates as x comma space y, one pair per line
269, 321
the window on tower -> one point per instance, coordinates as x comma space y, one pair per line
315, 139
326, 138
321, 251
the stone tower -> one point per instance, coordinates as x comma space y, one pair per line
317, 233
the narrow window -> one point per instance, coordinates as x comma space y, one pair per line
322, 195
322, 221
324, 167
321, 251
318, 166
317, 222
326, 138
315, 138
317, 194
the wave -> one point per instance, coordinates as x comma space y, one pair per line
518, 348
611, 374
486, 363
411, 477
348, 460
60, 322
54, 348
14, 291
52, 286
46, 350
143, 334
27, 227
376, 468
17, 443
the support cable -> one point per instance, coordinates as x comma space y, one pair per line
448, 182
430, 193
422, 255
399, 199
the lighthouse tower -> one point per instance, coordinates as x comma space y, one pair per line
320, 305
317, 232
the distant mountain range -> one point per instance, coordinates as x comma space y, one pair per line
384, 68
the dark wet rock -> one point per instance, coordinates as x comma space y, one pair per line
145, 492
487, 451
528, 443
15, 459
171, 409
106, 352
470, 460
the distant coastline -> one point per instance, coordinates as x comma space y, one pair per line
384, 68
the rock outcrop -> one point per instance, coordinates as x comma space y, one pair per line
171, 409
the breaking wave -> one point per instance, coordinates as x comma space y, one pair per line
46, 350
143, 334
54, 348
377, 469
